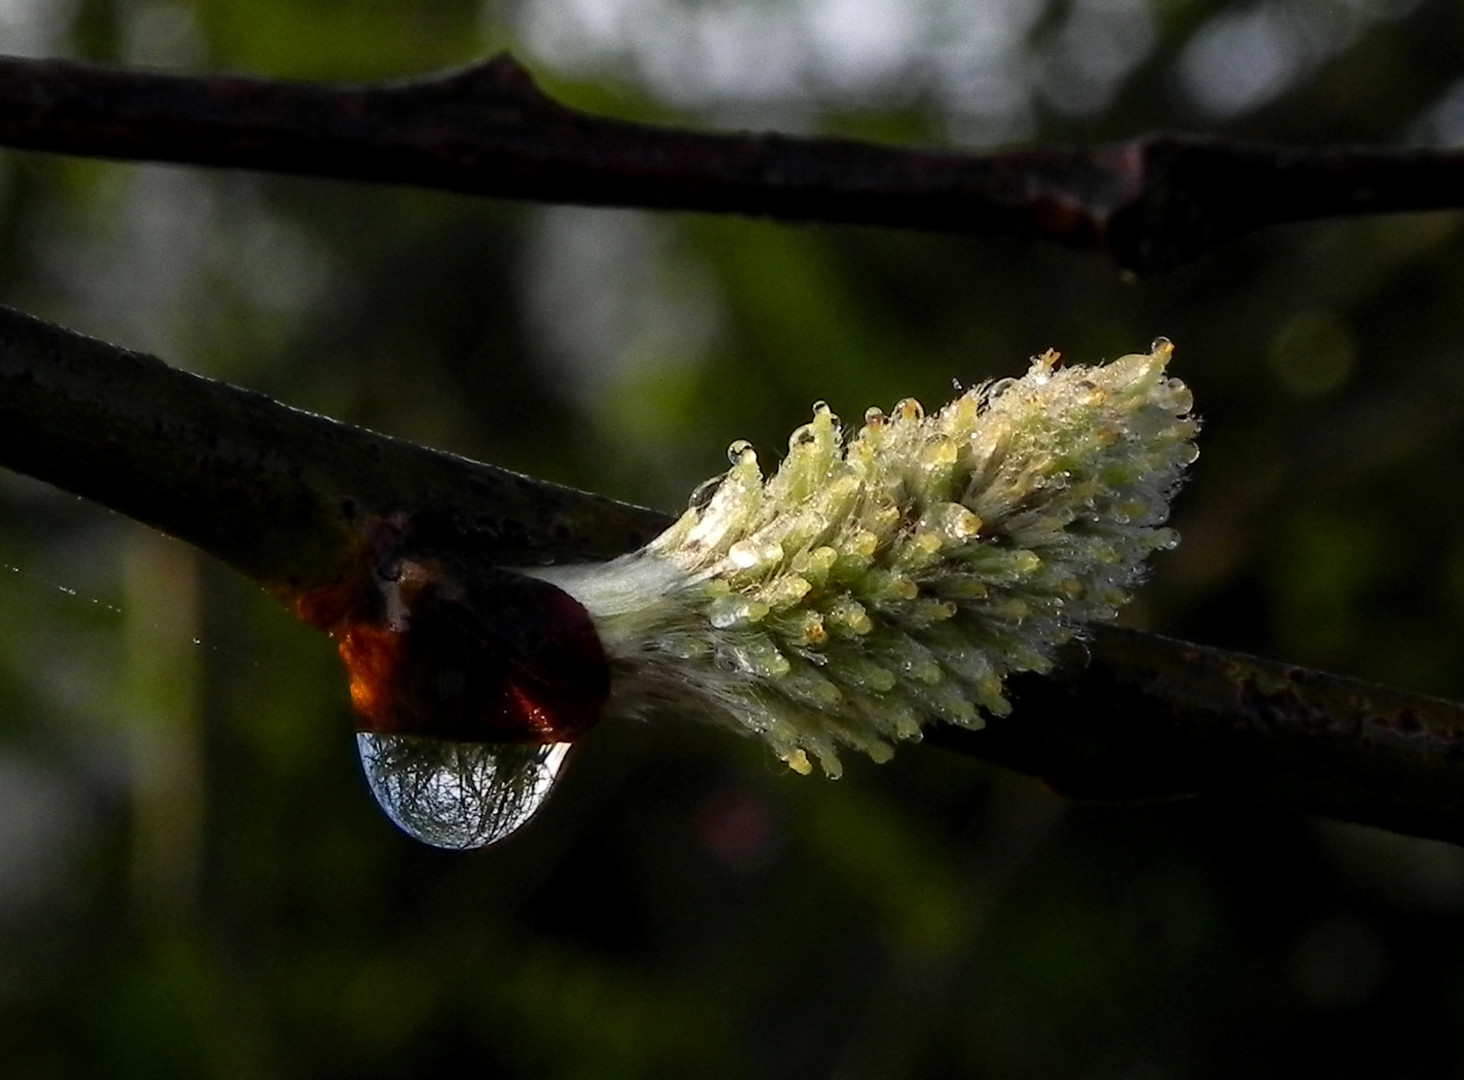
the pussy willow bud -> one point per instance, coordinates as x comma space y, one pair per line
882, 582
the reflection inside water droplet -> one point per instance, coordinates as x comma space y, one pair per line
453, 794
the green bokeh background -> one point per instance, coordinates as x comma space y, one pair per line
194, 880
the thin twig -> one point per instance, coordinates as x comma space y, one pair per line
283, 495
1150, 203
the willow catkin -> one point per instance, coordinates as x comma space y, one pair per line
880, 582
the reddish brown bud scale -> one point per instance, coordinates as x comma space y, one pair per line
438, 647
325, 606
519, 663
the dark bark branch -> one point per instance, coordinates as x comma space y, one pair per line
1132, 716
284, 495
1149, 203
278, 493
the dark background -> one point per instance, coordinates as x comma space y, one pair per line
194, 880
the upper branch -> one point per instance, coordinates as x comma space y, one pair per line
1149, 203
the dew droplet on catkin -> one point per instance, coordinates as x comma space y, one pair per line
910, 410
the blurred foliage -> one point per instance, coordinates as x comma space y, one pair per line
193, 878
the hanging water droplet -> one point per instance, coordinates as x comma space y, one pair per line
454, 794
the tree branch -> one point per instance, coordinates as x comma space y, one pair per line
1130, 715
280, 494
288, 497
1150, 203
